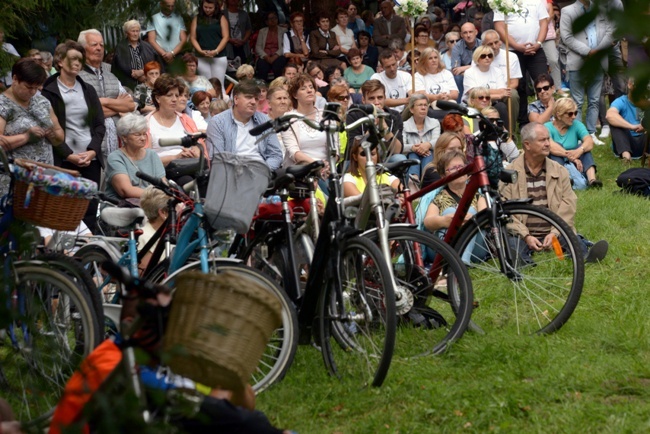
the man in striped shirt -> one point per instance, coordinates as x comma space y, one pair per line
549, 186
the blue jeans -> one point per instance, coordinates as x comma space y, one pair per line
587, 160
578, 83
418, 170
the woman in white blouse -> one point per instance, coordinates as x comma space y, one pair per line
302, 143
344, 36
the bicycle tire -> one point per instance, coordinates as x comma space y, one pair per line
55, 333
80, 276
91, 257
281, 349
354, 347
541, 295
428, 321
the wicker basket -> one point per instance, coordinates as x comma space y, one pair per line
218, 328
56, 211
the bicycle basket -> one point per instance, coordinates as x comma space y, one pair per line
218, 328
48, 197
236, 185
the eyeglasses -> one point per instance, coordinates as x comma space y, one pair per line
453, 41
342, 97
571, 114
484, 98
454, 168
488, 55
493, 120
363, 154
543, 88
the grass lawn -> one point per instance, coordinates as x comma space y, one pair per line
591, 376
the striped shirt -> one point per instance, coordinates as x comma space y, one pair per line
536, 187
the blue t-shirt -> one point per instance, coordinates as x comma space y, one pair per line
356, 80
118, 163
572, 138
628, 111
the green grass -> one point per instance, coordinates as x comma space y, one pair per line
591, 376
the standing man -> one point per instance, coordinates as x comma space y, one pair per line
547, 183
397, 83
526, 34
491, 39
229, 131
461, 54
114, 99
388, 26
597, 36
166, 31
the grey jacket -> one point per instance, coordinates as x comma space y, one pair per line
577, 43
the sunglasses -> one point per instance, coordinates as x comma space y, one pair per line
454, 168
363, 154
453, 41
489, 56
571, 114
543, 88
342, 97
484, 98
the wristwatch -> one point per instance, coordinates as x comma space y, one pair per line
540, 44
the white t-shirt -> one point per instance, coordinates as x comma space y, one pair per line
500, 62
434, 84
245, 142
474, 77
397, 87
158, 131
524, 27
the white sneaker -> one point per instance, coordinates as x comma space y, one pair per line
604, 132
597, 141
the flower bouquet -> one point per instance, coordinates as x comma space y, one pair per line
411, 8
506, 7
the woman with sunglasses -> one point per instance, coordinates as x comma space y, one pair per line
572, 143
541, 110
479, 98
483, 73
450, 40
355, 180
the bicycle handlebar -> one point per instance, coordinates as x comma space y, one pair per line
158, 182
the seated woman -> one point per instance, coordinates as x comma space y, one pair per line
478, 98
420, 134
357, 73
142, 92
354, 181
192, 80
269, 48
441, 204
323, 45
201, 113
434, 81
483, 73
154, 204
508, 148
571, 143
447, 142
132, 157
541, 110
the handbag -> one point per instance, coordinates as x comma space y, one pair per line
183, 167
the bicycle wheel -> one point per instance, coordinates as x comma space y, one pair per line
52, 331
428, 321
282, 346
91, 259
537, 293
357, 321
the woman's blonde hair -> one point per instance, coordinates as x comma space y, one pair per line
245, 71
442, 144
280, 81
489, 110
564, 105
153, 200
481, 49
218, 106
421, 66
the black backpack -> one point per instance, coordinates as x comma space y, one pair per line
635, 181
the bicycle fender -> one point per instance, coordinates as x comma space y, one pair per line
522, 200
102, 245
371, 232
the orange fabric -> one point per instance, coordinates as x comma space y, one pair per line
83, 383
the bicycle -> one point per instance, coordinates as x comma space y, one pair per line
537, 297
347, 304
50, 323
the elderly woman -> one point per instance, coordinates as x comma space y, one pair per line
142, 92
483, 73
433, 80
270, 48
296, 46
132, 157
154, 204
80, 114
450, 40
323, 45
302, 143
167, 121
131, 54
28, 126
357, 73
344, 36
209, 34
279, 104
420, 134
192, 80
571, 143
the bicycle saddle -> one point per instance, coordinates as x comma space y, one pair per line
122, 217
303, 170
398, 168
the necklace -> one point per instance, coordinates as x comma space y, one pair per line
310, 132
165, 122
